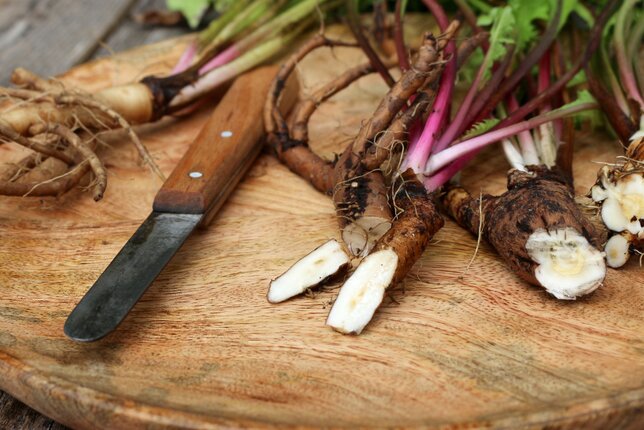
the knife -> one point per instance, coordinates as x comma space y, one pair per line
196, 189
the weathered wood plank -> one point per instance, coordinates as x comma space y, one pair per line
50, 36
16, 415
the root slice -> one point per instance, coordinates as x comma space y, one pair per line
312, 270
361, 295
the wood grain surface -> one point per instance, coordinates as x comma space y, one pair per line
204, 348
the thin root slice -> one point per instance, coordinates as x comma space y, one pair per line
363, 292
312, 270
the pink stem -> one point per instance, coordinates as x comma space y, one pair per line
453, 153
414, 134
225, 56
186, 58
455, 125
417, 158
439, 178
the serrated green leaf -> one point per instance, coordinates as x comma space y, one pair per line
502, 35
192, 10
526, 12
480, 127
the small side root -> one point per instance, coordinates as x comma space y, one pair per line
86, 152
116, 117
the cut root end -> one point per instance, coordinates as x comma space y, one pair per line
568, 265
363, 292
362, 234
324, 262
622, 201
617, 250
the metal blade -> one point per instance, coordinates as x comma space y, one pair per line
128, 276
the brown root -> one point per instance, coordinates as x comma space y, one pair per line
416, 223
52, 187
46, 147
86, 153
293, 152
538, 230
364, 210
398, 131
357, 191
391, 259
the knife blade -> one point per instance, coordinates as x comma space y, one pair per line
196, 189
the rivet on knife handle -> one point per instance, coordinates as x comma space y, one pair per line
198, 186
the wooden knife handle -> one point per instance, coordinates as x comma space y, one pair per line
224, 149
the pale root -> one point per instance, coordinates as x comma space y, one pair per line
311, 270
363, 292
134, 102
568, 265
617, 251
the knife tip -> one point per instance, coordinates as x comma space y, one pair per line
82, 333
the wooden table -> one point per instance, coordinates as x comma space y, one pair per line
48, 37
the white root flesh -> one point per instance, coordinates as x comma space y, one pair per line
363, 292
569, 266
317, 266
622, 202
616, 250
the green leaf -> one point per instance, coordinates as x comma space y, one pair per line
192, 10
502, 35
578, 79
525, 13
583, 96
480, 128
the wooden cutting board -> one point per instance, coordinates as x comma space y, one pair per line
452, 349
